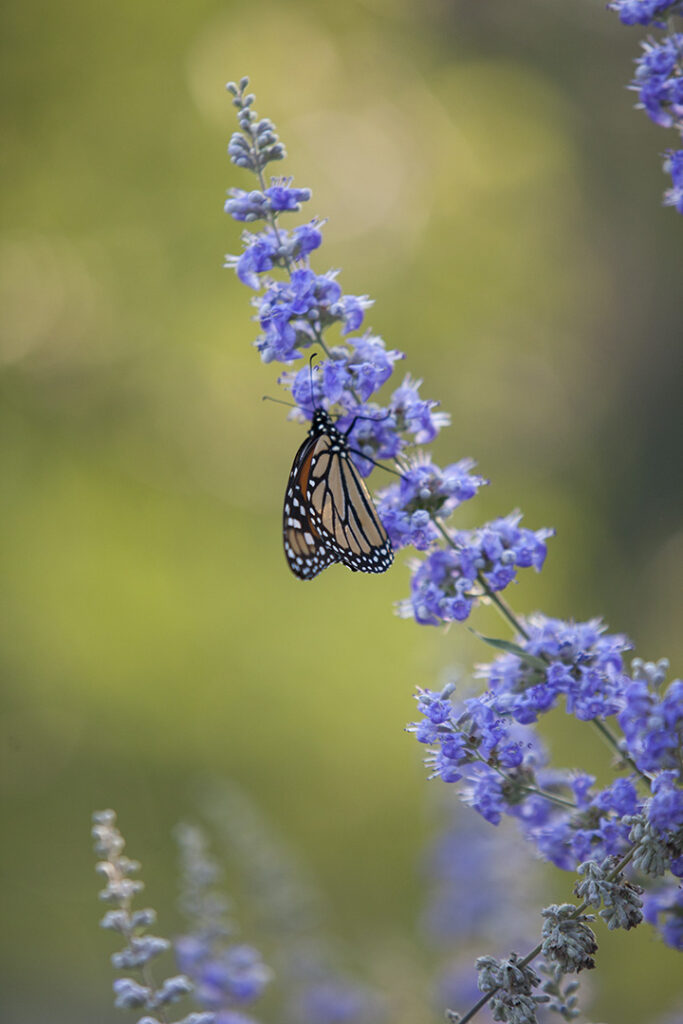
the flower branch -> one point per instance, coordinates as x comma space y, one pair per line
487, 745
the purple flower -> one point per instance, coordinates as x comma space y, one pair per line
566, 837
415, 415
372, 364
653, 723
665, 808
354, 373
225, 973
553, 842
406, 528
289, 313
305, 239
445, 585
259, 256
264, 251
583, 662
484, 793
455, 748
246, 206
425, 490
236, 975
643, 12
658, 80
282, 196
621, 797
467, 869
374, 434
673, 165
663, 908
440, 592
436, 706
354, 307
472, 734
485, 727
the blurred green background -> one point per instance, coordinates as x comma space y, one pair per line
487, 181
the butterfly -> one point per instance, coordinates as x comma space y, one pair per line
328, 513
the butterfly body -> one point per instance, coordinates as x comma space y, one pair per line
328, 513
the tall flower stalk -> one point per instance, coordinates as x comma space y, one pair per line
486, 745
140, 991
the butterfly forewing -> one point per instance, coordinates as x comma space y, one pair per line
329, 515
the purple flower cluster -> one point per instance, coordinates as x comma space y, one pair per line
644, 12
296, 308
500, 764
652, 718
658, 79
445, 586
257, 205
293, 315
468, 734
358, 368
594, 830
373, 431
665, 810
225, 978
425, 492
267, 250
577, 660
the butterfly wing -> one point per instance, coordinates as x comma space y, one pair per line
306, 551
329, 515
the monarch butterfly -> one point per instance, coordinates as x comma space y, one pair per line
328, 514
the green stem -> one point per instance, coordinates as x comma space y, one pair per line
613, 742
550, 796
493, 597
530, 789
537, 949
503, 607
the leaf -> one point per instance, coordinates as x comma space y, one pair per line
512, 648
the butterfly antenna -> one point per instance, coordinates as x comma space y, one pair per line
279, 401
380, 465
373, 419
